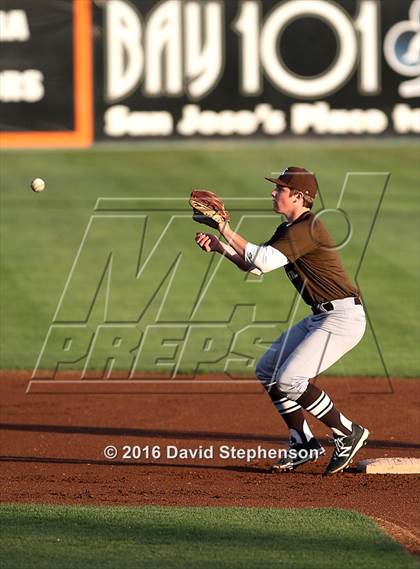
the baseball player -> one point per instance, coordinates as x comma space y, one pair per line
303, 247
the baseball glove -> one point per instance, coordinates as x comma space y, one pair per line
208, 208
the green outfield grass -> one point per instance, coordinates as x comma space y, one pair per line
41, 234
67, 536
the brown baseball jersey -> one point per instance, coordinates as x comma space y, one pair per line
314, 267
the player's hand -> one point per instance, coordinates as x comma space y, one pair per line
207, 242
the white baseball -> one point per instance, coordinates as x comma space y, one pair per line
38, 185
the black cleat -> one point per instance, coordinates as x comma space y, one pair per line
297, 454
345, 449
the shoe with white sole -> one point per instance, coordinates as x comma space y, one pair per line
345, 449
298, 454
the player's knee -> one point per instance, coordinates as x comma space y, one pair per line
293, 386
262, 372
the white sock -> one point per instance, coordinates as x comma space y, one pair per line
346, 423
297, 436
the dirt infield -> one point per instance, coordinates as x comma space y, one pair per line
52, 447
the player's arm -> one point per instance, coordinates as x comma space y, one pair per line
234, 239
256, 259
209, 242
231, 255
260, 258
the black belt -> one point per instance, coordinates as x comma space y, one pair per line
328, 306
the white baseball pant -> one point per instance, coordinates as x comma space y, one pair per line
310, 347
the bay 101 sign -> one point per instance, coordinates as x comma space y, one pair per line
146, 69
180, 48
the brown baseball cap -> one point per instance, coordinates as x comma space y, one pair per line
297, 179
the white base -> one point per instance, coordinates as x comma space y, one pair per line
396, 465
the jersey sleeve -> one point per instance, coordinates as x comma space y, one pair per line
265, 258
275, 235
299, 239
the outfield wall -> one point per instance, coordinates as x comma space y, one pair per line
77, 71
